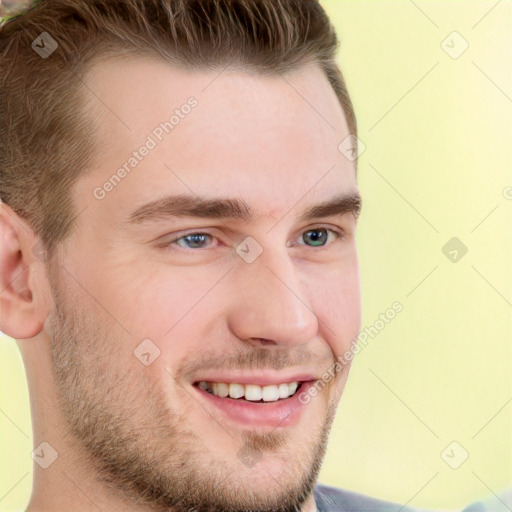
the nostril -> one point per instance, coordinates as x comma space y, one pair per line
265, 341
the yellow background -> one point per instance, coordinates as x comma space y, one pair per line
437, 132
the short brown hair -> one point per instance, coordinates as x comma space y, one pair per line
46, 141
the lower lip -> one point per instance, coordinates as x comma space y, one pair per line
281, 413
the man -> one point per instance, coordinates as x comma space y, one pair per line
179, 262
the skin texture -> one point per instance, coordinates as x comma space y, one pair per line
136, 437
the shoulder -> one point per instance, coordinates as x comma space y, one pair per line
496, 503
331, 499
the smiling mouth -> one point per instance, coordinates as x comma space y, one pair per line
251, 392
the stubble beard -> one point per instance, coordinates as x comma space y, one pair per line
142, 449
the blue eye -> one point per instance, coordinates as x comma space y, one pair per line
193, 240
317, 237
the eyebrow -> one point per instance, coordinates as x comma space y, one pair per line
237, 209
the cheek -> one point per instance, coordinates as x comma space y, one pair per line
337, 304
150, 300
177, 309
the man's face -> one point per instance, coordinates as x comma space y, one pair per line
153, 307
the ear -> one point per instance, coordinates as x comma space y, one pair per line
24, 286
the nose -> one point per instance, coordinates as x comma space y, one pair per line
270, 302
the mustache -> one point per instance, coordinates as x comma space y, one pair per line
256, 359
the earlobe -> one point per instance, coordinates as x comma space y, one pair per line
22, 307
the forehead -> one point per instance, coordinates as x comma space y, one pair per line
269, 139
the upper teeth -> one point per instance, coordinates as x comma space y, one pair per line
251, 392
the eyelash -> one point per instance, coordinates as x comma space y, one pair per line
338, 233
